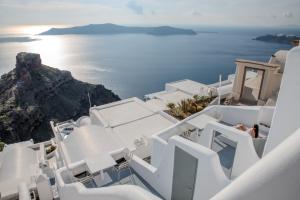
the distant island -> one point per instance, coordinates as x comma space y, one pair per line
16, 39
108, 29
280, 38
33, 93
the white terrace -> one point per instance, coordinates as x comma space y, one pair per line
179, 90
198, 157
227, 154
130, 120
201, 157
94, 142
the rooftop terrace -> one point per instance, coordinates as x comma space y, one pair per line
126, 177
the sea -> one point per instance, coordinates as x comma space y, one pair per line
133, 65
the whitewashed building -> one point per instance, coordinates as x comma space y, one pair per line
132, 150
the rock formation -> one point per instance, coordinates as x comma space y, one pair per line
108, 29
280, 38
33, 93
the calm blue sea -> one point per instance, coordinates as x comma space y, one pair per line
135, 65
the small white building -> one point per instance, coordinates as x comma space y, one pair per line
181, 90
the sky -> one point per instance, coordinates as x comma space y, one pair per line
263, 13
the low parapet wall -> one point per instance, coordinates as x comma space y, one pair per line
77, 191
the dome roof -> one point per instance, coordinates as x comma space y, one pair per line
279, 58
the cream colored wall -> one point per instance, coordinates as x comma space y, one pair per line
271, 80
274, 84
267, 86
237, 85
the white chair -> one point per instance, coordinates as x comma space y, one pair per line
143, 150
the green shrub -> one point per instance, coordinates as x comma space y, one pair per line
188, 107
171, 105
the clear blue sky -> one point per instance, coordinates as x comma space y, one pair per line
151, 12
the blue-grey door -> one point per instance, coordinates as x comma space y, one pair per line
184, 175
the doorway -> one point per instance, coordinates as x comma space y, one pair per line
252, 85
184, 175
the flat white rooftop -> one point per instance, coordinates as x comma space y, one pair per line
156, 104
190, 87
123, 111
180, 90
89, 141
201, 121
125, 122
145, 127
173, 97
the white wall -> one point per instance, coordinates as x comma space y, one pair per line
265, 115
23, 191
275, 177
77, 191
210, 176
245, 154
248, 115
159, 147
286, 115
239, 114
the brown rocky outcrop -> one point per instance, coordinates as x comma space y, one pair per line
33, 93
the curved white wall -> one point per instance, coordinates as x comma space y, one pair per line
77, 191
275, 177
210, 176
245, 154
286, 115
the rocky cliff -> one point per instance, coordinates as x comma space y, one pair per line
33, 93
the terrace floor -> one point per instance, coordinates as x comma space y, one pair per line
224, 147
226, 151
111, 178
